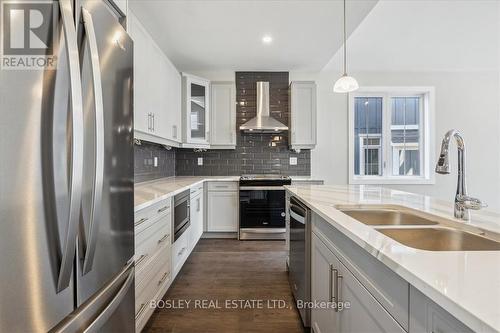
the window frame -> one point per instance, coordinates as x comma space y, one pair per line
427, 135
363, 147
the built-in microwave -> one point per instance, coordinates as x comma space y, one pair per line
181, 214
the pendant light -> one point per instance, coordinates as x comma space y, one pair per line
346, 83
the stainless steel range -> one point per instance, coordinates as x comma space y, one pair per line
262, 206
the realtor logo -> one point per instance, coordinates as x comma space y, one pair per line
28, 34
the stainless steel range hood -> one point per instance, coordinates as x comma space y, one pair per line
263, 122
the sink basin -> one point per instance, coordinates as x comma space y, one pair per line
440, 239
386, 217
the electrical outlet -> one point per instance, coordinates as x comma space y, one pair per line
293, 160
155, 162
200, 160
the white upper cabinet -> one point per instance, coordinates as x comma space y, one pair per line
196, 111
158, 93
223, 115
142, 52
174, 86
303, 115
157, 90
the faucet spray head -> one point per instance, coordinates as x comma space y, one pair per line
443, 164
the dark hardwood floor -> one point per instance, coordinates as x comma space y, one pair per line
224, 269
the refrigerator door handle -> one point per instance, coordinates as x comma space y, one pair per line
99, 308
95, 212
75, 190
113, 305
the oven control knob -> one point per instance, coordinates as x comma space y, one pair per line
283, 214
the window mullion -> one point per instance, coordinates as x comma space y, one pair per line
386, 136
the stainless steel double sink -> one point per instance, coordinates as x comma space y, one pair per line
423, 231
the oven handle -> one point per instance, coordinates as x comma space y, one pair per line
262, 188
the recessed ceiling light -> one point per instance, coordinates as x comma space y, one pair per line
267, 39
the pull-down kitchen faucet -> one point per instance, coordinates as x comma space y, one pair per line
462, 201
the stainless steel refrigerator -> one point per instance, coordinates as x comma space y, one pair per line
66, 180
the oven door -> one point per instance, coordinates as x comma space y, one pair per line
262, 207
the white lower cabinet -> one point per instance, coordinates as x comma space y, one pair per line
197, 214
153, 268
180, 251
222, 210
355, 310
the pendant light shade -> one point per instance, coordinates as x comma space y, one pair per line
346, 83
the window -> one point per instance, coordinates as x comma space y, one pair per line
390, 135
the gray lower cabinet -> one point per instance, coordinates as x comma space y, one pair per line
379, 300
428, 317
352, 307
322, 263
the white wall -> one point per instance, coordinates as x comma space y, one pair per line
467, 85
459, 104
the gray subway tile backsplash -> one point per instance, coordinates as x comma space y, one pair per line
144, 168
254, 153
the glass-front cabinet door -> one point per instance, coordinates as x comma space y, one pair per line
196, 110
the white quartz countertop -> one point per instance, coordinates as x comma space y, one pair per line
465, 283
150, 192
305, 179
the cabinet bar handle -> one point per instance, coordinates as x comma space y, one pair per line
141, 259
339, 289
335, 287
163, 239
181, 251
141, 221
163, 209
330, 284
163, 278
141, 310
336, 278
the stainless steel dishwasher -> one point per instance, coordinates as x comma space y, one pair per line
299, 270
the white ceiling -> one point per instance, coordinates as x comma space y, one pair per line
226, 35
426, 35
